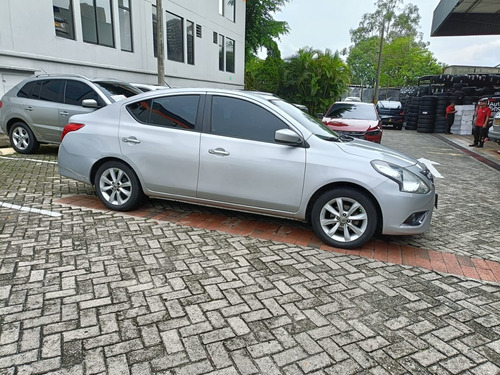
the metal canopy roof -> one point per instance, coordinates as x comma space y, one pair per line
466, 17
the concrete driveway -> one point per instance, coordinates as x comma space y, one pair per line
179, 289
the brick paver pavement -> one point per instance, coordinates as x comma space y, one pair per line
95, 292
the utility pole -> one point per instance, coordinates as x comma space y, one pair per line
379, 63
160, 44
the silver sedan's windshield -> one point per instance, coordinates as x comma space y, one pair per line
312, 124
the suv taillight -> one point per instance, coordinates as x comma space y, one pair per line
0, 104
71, 127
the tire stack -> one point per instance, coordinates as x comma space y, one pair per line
427, 114
412, 113
442, 101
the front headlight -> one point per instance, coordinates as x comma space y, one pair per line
408, 181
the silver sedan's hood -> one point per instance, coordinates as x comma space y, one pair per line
374, 151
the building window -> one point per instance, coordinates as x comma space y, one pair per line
155, 42
97, 22
175, 38
229, 55
221, 52
227, 9
63, 18
125, 25
190, 42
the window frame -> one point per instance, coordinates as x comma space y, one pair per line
71, 25
98, 40
190, 43
229, 42
122, 10
170, 56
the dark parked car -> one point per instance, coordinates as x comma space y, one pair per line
391, 113
37, 109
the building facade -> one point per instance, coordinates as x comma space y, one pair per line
204, 40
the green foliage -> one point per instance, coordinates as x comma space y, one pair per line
264, 75
314, 78
405, 56
261, 28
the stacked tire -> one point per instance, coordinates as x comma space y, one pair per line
442, 101
427, 114
412, 113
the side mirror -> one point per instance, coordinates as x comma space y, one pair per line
319, 115
288, 137
89, 103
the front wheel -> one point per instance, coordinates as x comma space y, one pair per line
344, 218
117, 186
22, 139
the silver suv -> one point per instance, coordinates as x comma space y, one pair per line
37, 109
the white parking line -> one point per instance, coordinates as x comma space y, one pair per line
29, 209
21, 159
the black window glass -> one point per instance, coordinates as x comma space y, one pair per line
51, 90
175, 111
63, 18
77, 91
35, 93
116, 90
97, 22
175, 37
25, 91
352, 111
141, 111
241, 119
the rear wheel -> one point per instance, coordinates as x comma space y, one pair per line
22, 139
344, 218
117, 186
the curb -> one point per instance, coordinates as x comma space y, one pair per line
6, 151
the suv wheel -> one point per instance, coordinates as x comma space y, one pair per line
22, 139
344, 218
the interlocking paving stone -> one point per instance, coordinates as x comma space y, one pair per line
96, 291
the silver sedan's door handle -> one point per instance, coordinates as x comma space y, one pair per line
29, 108
130, 140
218, 151
64, 113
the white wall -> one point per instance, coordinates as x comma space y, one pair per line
37, 48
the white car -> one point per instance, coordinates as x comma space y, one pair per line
250, 152
494, 132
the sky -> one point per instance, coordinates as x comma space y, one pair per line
322, 24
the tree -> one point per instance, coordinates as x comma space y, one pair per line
387, 23
388, 49
315, 78
264, 75
261, 27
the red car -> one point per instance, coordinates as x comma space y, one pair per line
355, 119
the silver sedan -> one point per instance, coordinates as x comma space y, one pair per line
250, 152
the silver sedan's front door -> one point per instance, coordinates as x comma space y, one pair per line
241, 164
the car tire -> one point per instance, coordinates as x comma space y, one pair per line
117, 186
349, 226
22, 139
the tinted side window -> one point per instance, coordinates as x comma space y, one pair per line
241, 119
25, 91
175, 111
141, 111
77, 91
51, 90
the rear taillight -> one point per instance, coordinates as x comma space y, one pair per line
0, 104
71, 127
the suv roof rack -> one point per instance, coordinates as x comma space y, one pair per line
60, 75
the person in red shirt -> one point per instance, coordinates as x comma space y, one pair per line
450, 117
483, 114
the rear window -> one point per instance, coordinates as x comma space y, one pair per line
117, 90
352, 111
389, 105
